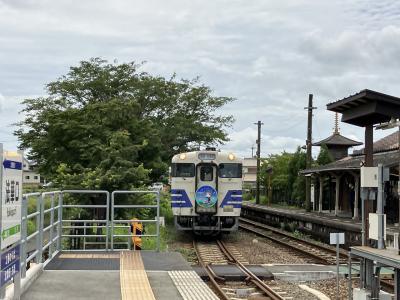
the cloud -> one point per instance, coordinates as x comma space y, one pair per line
1, 102
242, 142
269, 55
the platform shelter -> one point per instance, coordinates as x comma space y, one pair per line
337, 184
368, 109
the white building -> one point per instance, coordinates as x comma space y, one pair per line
30, 175
250, 171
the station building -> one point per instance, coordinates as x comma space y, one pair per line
337, 184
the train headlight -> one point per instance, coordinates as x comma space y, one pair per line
182, 156
231, 156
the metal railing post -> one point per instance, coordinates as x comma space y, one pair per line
51, 226
24, 234
158, 221
84, 235
38, 218
112, 221
60, 222
41, 225
108, 221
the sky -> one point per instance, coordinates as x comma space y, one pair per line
269, 55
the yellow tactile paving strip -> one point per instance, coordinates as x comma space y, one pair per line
134, 282
92, 255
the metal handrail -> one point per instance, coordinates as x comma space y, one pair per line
49, 238
138, 206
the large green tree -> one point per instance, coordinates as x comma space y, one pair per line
110, 125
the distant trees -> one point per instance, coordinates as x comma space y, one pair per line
286, 183
110, 126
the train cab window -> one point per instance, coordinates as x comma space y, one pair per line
230, 171
206, 173
182, 170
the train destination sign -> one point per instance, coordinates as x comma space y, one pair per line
11, 197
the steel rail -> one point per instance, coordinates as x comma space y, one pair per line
324, 249
304, 252
210, 274
344, 254
253, 278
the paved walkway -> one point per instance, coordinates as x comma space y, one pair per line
126, 275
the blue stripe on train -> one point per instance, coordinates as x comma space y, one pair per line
234, 198
179, 198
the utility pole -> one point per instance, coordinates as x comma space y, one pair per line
308, 145
258, 160
252, 151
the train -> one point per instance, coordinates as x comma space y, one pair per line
206, 191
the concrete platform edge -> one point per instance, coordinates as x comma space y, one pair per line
31, 275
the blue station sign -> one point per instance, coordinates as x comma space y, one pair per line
10, 264
8, 273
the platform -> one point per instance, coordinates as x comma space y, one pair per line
126, 275
383, 256
313, 223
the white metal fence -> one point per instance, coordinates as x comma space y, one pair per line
49, 229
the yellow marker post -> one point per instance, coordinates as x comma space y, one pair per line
136, 229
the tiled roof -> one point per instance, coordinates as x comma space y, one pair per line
366, 94
339, 140
388, 143
388, 159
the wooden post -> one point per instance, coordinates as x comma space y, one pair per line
308, 145
321, 192
356, 195
258, 160
337, 194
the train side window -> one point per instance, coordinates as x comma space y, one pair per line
182, 170
206, 173
230, 170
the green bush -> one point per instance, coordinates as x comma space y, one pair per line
247, 196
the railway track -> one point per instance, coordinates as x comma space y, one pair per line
223, 254
317, 252
321, 253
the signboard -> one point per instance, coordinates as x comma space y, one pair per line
9, 264
337, 238
374, 220
11, 197
312, 193
8, 257
206, 196
8, 273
